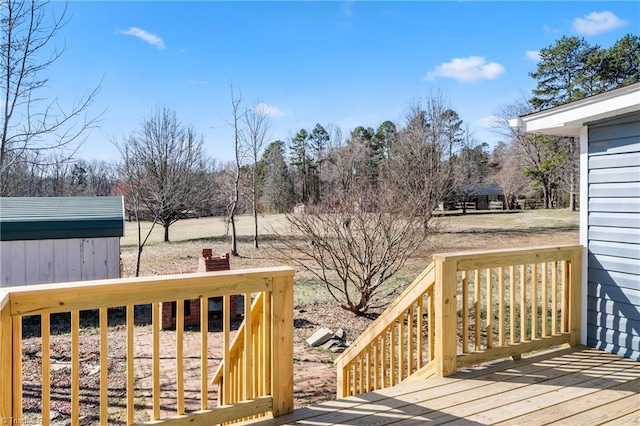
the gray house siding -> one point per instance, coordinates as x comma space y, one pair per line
613, 290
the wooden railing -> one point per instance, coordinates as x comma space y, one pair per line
502, 303
399, 343
468, 308
267, 389
233, 384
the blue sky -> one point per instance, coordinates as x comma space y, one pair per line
339, 63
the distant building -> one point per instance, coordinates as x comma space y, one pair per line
59, 239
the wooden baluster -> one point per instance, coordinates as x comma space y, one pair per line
411, 341
420, 331
476, 307
248, 349
17, 368
465, 312
554, 299
104, 367
155, 322
431, 321
523, 303
130, 372
392, 354
45, 332
512, 304
226, 343
545, 302
383, 345
565, 296
534, 301
180, 356
354, 376
376, 363
489, 301
204, 353
75, 368
401, 350
266, 320
361, 372
501, 306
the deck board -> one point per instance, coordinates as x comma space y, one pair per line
572, 386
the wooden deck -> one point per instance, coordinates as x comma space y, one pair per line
580, 386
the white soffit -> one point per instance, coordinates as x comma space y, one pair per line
566, 120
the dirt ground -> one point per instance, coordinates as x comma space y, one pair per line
314, 372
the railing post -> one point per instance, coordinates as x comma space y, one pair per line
6, 357
575, 282
282, 345
446, 332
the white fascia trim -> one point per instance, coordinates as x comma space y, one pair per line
568, 119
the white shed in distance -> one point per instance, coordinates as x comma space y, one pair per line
59, 239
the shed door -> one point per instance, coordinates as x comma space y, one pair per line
613, 311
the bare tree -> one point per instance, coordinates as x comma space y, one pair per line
544, 157
354, 241
31, 122
424, 144
166, 163
236, 118
508, 166
258, 126
133, 175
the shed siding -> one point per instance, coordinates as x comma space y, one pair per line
613, 290
55, 261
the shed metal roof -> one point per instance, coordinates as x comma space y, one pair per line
482, 189
39, 218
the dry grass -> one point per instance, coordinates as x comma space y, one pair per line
474, 231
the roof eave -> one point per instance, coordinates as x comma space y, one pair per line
568, 119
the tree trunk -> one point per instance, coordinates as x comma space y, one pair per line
140, 245
234, 239
572, 189
255, 225
166, 233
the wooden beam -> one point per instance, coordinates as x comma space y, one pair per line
85, 295
446, 328
6, 363
507, 257
282, 346
575, 297
219, 415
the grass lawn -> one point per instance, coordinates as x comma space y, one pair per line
474, 231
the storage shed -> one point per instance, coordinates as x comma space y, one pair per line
59, 239
608, 126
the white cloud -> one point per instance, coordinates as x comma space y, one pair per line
270, 110
597, 22
488, 122
472, 68
150, 38
533, 55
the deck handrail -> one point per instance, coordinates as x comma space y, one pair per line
468, 313
543, 301
357, 372
272, 284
